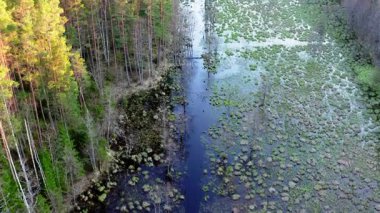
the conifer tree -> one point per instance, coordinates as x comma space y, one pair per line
6, 32
49, 132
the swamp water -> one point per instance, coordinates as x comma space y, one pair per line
273, 120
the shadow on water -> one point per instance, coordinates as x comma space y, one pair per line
200, 116
199, 113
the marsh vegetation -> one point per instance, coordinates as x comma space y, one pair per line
190, 106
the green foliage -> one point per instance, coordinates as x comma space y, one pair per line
9, 187
97, 110
95, 105
102, 151
68, 154
54, 180
368, 75
6, 84
43, 204
51, 79
336, 22
6, 22
79, 135
72, 35
161, 24
59, 173
49, 29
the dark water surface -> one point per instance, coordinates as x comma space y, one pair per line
199, 112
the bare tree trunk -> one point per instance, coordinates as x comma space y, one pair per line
125, 48
150, 35
138, 48
34, 154
113, 39
79, 33
104, 31
36, 114
93, 141
31, 150
97, 71
13, 168
52, 123
22, 160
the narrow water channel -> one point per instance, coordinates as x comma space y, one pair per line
200, 114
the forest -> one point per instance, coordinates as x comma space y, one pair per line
189, 106
64, 65
363, 19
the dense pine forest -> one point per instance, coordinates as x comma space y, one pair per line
189, 106
63, 66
